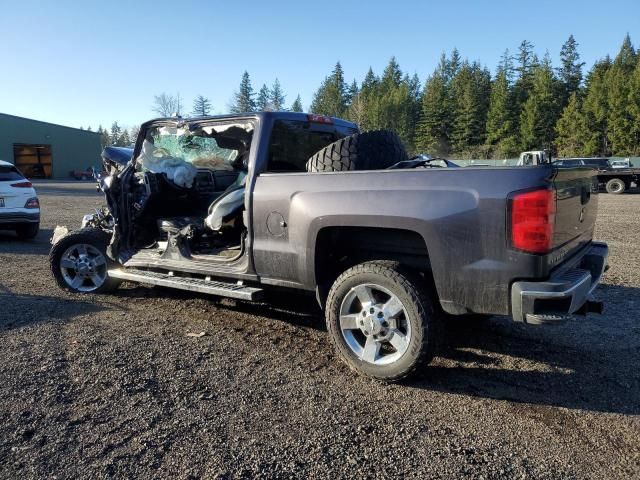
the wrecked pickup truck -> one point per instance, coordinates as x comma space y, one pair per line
390, 247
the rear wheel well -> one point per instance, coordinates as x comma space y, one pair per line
339, 248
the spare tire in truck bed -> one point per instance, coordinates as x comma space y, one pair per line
374, 150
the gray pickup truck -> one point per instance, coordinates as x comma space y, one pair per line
391, 247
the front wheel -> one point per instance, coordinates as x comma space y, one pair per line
615, 186
79, 262
381, 320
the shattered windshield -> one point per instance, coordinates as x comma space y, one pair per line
179, 150
214, 146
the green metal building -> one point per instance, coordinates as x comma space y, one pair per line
46, 150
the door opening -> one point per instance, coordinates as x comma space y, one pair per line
34, 161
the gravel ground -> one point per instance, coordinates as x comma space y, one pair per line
111, 386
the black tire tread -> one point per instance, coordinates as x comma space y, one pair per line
415, 287
373, 150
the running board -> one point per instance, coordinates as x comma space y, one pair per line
212, 287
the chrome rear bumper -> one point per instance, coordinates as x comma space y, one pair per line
557, 299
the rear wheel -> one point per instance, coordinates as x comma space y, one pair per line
615, 186
27, 231
79, 262
381, 321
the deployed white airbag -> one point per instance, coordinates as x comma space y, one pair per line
228, 204
157, 160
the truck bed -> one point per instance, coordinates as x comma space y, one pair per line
461, 216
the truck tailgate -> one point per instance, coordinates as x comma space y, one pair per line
576, 209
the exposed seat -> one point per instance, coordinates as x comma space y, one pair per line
230, 202
175, 224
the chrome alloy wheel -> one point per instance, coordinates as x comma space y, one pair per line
374, 324
83, 267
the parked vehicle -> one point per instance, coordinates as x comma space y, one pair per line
237, 205
19, 205
82, 174
613, 180
626, 163
534, 157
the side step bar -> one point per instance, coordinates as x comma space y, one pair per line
212, 287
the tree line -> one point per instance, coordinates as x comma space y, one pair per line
462, 110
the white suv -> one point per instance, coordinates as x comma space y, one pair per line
19, 205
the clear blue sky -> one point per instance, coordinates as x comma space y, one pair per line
89, 63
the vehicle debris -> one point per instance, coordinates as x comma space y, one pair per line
196, 335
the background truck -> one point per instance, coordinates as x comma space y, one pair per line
613, 180
238, 205
534, 157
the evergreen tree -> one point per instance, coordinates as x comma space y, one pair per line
619, 121
123, 139
415, 95
470, 90
432, 134
527, 59
570, 72
540, 112
596, 108
360, 109
454, 64
296, 106
352, 91
506, 66
627, 56
277, 96
263, 103
392, 110
573, 135
449, 67
634, 109
105, 138
501, 121
390, 103
526, 62
116, 132
330, 98
243, 99
201, 106
370, 81
391, 77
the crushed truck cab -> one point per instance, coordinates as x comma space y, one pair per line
238, 205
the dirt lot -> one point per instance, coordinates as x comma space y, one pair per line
102, 386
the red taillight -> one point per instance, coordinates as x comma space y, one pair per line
32, 203
22, 184
312, 117
532, 220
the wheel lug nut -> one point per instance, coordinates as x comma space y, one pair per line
371, 310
